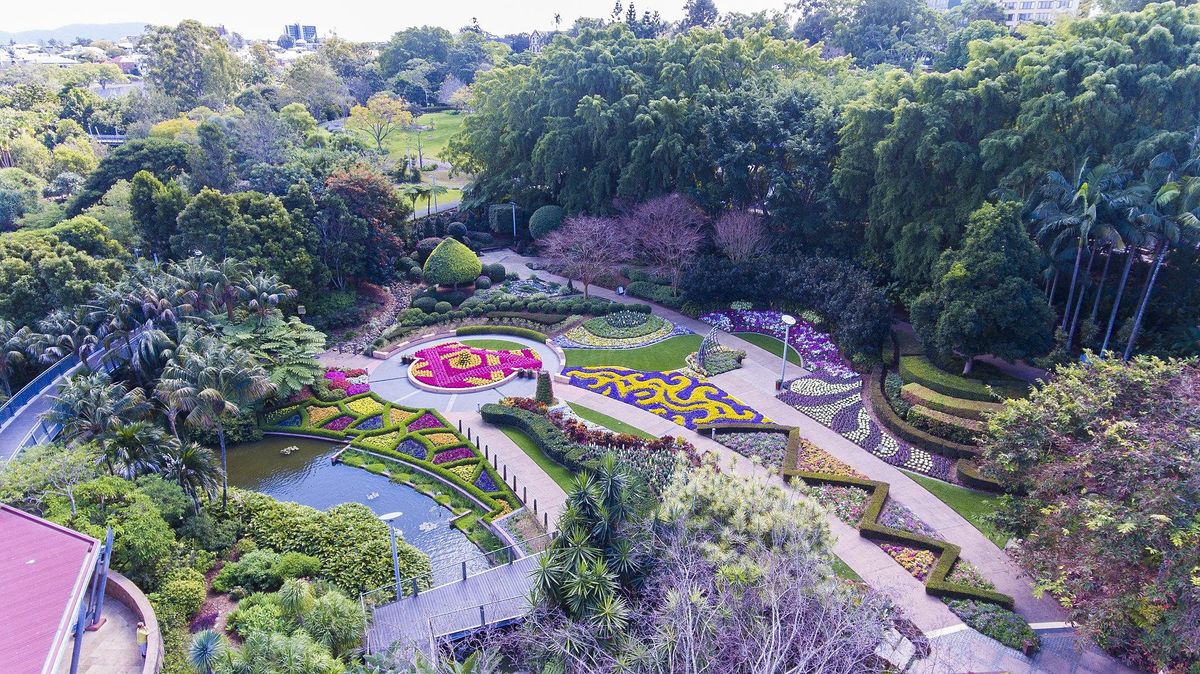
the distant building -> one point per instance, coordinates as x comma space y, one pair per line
1037, 11
537, 41
300, 32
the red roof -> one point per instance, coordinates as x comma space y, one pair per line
44, 572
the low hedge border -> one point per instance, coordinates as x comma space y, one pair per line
358, 440
501, 330
919, 369
969, 475
936, 583
909, 433
936, 417
536, 317
918, 394
544, 434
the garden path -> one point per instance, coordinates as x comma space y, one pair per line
532, 482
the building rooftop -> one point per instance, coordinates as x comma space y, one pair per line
44, 572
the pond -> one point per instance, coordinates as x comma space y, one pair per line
308, 477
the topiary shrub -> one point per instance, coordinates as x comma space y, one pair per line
545, 220
451, 264
425, 247
414, 274
443, 307
483, 283
456, 229
495, 271
425, 304
545, 389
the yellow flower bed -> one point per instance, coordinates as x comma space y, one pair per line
399, 417
319, 415
365, 407
439, 439
385, 441
464, 473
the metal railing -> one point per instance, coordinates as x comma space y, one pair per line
455, 624
34, 388
411, 587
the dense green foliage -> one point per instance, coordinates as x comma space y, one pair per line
451, 264
162, 158
545, 220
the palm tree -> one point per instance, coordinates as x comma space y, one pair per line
1175, 215
210, 382
264, 292
228, 279
197, 280
88, 406
1070, 212
208, 649
114, 315
14, 347
136, 446
193, 466
435, 191
63, 334
153, 352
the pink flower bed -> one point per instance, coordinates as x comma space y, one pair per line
454, 365
426, 420
454, 455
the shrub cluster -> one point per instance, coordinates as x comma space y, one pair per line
265, 571
451, 264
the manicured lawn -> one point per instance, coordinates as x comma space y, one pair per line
608, 422
843, 569
424, 205
433, 141
666, 355
769, 344
557, 472
494, 344
974, 506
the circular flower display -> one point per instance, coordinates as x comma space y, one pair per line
456, 366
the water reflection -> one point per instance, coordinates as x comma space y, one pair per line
308, 477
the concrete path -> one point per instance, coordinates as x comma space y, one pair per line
112, 649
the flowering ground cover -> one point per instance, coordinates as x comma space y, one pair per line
682, 398
353, 382
837, 403
580, 337
818, 349
767, 446
454, 365
420, 437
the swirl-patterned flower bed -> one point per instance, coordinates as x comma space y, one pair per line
837, 402
818, 350
682, 398
420, 437
580, 337
454, 366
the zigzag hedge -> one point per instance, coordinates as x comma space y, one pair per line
936, 583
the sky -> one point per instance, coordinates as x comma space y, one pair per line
352, 19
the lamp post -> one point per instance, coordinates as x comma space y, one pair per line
514, 214
788, 322
395, 557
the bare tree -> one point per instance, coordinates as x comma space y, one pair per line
586, 248
741, 235
667, 231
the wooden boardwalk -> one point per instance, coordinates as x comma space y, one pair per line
488, 598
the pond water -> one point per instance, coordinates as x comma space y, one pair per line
308, 477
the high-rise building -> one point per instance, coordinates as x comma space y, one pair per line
1040, 11
300, 32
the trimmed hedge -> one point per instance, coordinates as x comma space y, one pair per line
917, 394
907, 432
545, 220
970, 476
544, 434
451, 264
946, 425
655, 293
501, 330
936, 583
543, 318
920, 370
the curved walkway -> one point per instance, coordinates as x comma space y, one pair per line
753, 385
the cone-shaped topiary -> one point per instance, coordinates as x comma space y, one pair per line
545, 390
451, 264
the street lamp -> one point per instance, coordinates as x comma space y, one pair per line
514, 213
788, 322
388, 518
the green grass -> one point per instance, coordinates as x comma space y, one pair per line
608, 422
424, 205
557, 472
769, 344
433, 141
493, 344
974, 506
668, 354
843, 569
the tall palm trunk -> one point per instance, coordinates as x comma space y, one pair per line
1074, 279
1087, 276
1100, 290
1112, 316
1141, 311
1053, 288
224, 468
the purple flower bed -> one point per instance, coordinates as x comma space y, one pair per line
424, 421
770, 447
340, 423
335, 375
819, 351
837, 403
291, 421
485, 482
413, 448
899, 517
455, 454
845, 502
355, 389
371, 423
683, 399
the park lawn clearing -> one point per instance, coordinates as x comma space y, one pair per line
974, 506
557, 472
433, 141
664, 356
770, 345
494, 344
843, 570
425, 205
612, 424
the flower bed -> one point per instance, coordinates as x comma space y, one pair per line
916, 561
837, 402
769, 447
353, 382
454, 365
845, 502
818, 350
684, 399
581, 337
417, 436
